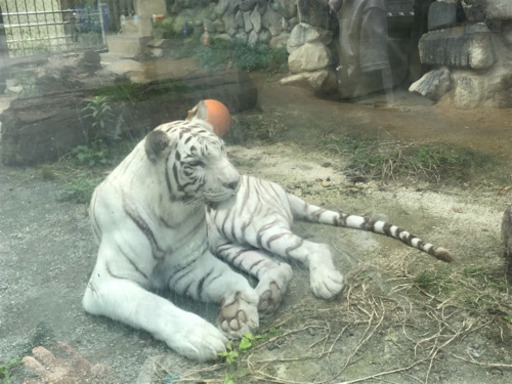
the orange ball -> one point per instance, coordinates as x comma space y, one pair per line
218, 116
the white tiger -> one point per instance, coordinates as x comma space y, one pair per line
248, 228
149, 218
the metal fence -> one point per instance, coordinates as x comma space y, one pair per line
44, 26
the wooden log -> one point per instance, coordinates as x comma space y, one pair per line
40, 129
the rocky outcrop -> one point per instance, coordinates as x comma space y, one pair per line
310, 60
472, 40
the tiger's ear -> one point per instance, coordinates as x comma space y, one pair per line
200, 111
156, 142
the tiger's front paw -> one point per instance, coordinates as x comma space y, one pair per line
195, 338
326, 283
239, 314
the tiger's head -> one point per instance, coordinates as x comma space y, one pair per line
193, 160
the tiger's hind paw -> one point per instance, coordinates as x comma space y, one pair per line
272, 287
270, 298
239, 315
326, 283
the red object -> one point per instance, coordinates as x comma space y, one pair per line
218, 116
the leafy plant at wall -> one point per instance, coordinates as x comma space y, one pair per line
98, 111
257, 57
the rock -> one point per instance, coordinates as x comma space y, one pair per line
156, 53
323, 81
247, 5
292, 23
222, 7
434, 84
123, 67
460, 47
253, 38
441, 15
285, 8
314, 12
218, 26
255, 19
279, 41
468, 89
160, 43
71, 71
242, 36
309, 57
474, 10
247, 21
498, 9
233, 22
272, 21
507, 32
304, 33
264, 36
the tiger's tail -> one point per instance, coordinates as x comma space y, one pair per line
307, 212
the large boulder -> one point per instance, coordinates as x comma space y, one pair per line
304, 33
490, 88
309, 57
462, 47
498, 9
323, 81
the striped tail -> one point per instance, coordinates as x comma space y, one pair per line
304, 211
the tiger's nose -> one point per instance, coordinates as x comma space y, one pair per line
232, 184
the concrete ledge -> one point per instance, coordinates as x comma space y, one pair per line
127, 46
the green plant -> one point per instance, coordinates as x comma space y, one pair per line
98, 110
79, 188
257, 57
435, 283
426, 281
90, 155
232, 356
5, 369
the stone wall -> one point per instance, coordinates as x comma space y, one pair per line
469, 47
253, 21
303, 27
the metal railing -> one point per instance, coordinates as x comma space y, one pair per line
41, 26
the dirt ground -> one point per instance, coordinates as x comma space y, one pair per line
403, 317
